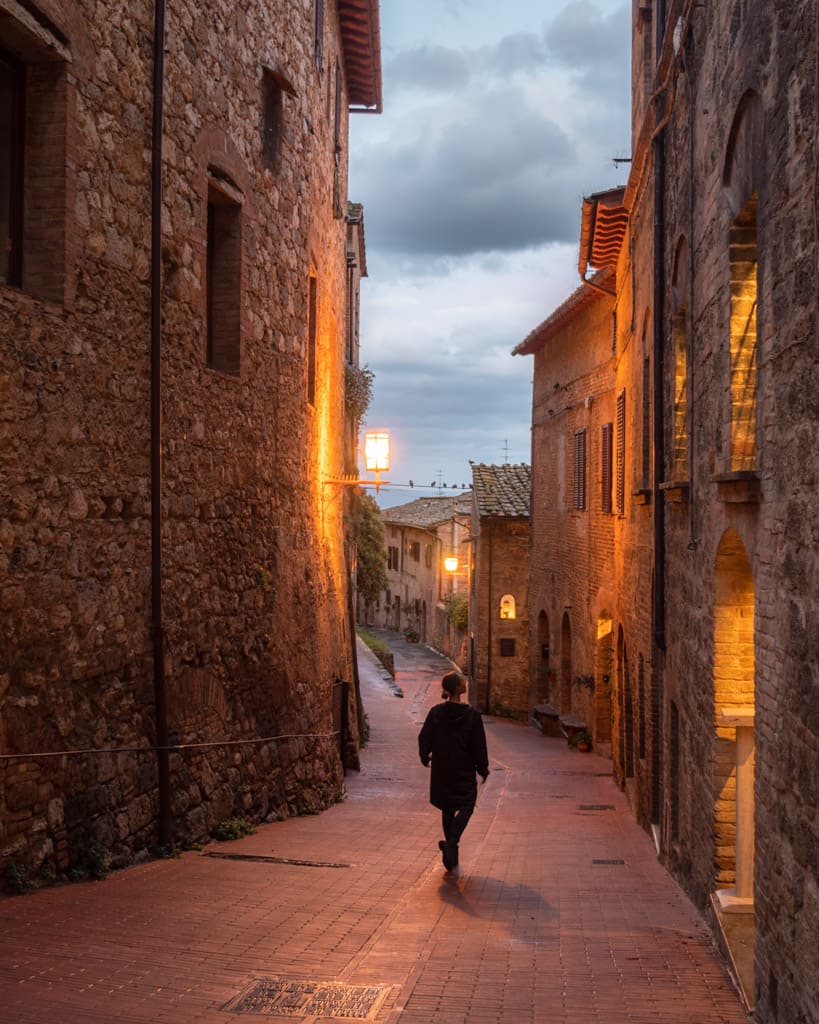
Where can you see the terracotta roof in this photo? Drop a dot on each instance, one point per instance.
(584, 296)
(502, 490)
(361, 42)
(428, 512)
(602, 229)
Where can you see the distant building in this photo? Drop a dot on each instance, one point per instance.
(499, 593)
(419, 535)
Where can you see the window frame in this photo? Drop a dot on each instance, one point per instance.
(16, 162)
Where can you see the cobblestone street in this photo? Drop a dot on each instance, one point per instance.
(560, 911)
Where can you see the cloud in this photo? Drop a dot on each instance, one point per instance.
(435, 68)
(470, 178)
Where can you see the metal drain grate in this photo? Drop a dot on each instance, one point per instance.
(282, 998)
(596, 807)
(275, 860)
(619, 862)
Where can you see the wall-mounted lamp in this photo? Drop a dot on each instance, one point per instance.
(451, 563)
(376, 459)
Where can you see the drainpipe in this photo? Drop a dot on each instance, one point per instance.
(157, 627)
(658, 146)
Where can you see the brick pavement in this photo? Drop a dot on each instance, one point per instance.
(535, 927)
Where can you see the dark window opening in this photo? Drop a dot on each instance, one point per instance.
(224, 276)
(507, 647)
(12, 107)
(646, 425)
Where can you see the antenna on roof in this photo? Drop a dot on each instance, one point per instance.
(505, 451)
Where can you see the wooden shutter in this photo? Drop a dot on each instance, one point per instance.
(606, 432)
(579, 496)
(620, 483)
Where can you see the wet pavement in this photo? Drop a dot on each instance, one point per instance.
(559, 912)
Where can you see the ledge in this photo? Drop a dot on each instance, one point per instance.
(676, 492)
(742, 486)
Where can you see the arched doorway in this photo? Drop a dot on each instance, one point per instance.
(565, 665)
(733, 763)
(626, 706)
(604, 658)
(543, 654)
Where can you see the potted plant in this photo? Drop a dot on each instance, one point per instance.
(411, 635)
(582, 740)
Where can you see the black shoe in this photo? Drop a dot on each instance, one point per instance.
(453, 855)
(444, 847)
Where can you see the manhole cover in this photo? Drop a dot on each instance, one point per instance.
(279, 997)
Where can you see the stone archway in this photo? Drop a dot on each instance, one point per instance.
(733, 760)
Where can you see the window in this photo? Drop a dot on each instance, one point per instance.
(507, 647)
(224, 274)
(415, 551)
(428, 556)
(12, 94)
(312, 330)
(606, 432)
(34, 170)
(392, 557)
(645, 462)
(620, 464)
(318, 50)
(579, 489)
(274, 86)
(744, 266)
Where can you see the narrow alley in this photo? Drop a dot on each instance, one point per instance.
(560, 910)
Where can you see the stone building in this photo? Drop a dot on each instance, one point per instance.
(499, 606)
(711, 247)
(173, 303)
(419, 535)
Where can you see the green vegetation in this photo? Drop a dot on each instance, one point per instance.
(233, 828)
(371, 554)
(371, 640)
(18, 878)
(358, 391)
(457, 611)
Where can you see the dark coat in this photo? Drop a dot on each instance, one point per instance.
(453, 738)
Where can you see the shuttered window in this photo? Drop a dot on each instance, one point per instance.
(579, 489)
(620, 468)
(606, 432)
(646, 412)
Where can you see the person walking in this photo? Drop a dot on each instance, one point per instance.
(453, 739)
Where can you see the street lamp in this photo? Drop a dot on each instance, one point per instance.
(451, 563)
(376, 459)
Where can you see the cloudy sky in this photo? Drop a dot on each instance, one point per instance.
(498, 119)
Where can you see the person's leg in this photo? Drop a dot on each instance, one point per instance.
(460, 819)
(447, 818)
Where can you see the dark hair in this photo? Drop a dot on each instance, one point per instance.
(451, 683)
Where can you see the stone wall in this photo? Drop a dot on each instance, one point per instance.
(742, 565)
(252, 540)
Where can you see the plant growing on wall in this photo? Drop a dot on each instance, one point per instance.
(358, 391)
(371, 558)
(457, 610)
